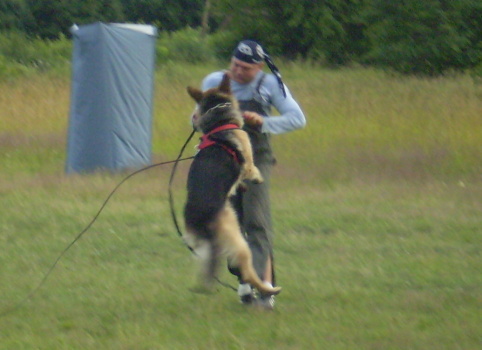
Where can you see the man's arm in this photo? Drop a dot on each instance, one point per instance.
(291, 116)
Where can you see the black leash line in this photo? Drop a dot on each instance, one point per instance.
(89, 225)
(47, 274)
(171, 180)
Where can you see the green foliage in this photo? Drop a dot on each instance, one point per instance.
(423, 37)
(13, 15)
(223, 43)
(48, 18)
(187, 45)
(414, 37)
(476, 71)
(467, 15)
(323, 30)
(426, 37)
(51, 19)
(144, 11)
(20, 54)
(38, 54)
(169, 15)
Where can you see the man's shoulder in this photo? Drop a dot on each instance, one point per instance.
(212, 80)
(270, 86)
(269, 80)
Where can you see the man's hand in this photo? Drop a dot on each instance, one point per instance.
(252, 118)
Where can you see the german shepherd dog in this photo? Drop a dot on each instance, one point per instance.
(212, 227)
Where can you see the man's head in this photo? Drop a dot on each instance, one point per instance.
(247, 60)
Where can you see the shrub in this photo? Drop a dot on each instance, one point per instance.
(40, 54)
(186, 45)
(423, 37)
(223, 44)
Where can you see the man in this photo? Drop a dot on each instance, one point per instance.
(257, 92)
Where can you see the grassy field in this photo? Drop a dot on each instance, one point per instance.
(377, 207)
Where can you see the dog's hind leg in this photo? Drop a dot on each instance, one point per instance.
(235, 247)
(206, 253)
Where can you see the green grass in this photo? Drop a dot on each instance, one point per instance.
(378, 232)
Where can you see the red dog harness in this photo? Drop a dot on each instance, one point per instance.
(206, 141)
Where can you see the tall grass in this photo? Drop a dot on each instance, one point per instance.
(376, 207)
(20, 56)
(361, 122)
(366, 122)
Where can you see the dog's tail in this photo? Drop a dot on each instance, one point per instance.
(235, 247)
(250, 276)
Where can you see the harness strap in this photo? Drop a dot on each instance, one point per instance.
(206, 141)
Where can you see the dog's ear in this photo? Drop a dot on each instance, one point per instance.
(196, 94)
(225, 85)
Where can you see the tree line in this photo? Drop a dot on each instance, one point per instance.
(410, 36)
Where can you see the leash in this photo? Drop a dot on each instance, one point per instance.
(171, 180)
(89, 225)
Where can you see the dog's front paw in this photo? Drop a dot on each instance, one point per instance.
(254, 175)
(257, 180)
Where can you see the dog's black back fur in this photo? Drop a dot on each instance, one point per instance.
(211, 176)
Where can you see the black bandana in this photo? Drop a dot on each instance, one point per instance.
(251, 52)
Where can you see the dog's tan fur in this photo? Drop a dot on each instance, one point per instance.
(228, 240)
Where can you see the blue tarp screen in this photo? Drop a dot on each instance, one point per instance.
(110, 123)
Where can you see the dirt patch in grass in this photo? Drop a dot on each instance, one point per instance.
(46, 140)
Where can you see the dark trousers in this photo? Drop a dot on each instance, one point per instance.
(254, 212)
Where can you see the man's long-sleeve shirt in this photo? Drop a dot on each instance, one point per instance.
(269, 95)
